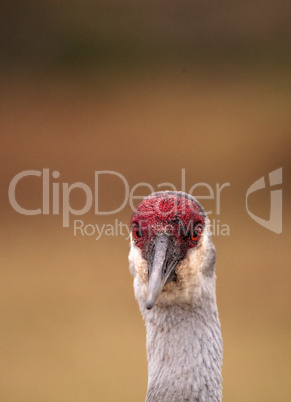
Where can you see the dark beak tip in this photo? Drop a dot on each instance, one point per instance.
(150, 304)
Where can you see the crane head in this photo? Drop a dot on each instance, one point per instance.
(167, 228)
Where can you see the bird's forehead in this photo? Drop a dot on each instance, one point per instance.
(170, 208)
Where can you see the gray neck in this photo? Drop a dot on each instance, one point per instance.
(184, 348)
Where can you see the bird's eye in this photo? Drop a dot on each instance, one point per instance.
(136, 233)
(196, 234)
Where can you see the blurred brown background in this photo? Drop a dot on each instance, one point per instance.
(144, 89)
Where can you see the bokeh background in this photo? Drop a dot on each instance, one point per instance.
(144, 89)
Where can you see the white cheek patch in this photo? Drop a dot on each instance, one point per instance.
(194, 261)
(137, 264)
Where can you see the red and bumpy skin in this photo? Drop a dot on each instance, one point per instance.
(176, 214)
(165, 226)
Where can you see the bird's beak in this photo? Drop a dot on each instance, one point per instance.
(161, 267)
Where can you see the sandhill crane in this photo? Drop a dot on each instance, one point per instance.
(172, 259)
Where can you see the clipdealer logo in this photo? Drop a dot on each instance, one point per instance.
(57, 199)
